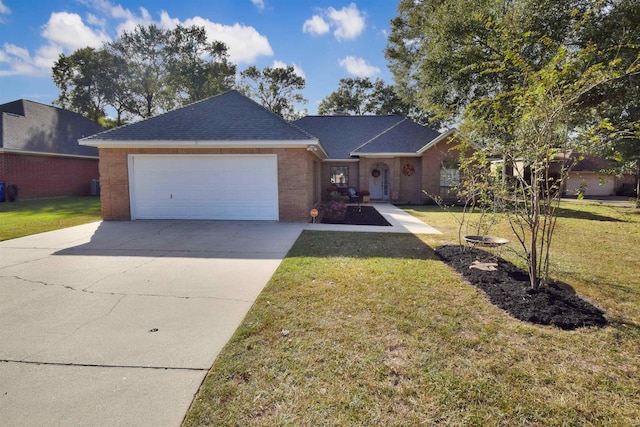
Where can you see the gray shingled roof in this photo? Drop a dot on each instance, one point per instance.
(31, 126)
(230, 116)
(340, 135)
(344, 137)
(406, 137)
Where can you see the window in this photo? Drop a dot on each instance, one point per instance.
(340, 176)
(449, 179)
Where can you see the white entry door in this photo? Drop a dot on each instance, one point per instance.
(227, 187)
(379, 183)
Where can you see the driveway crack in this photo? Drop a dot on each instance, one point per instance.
(122, 294)
(93, 365)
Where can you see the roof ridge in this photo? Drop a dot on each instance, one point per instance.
(161, 114)
(296, 127)
(379, 135)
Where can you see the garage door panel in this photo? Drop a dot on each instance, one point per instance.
(204, 187)
(590, 185)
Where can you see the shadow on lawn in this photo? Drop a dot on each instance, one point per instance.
(589, 216)
(506, 286)
(360, 245)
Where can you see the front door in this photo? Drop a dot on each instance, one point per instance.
(379, 182)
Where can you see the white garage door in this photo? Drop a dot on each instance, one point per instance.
(204, 187)
(590, 184)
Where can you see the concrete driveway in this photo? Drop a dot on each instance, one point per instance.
(117, 323)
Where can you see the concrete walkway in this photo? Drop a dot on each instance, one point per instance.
(401, 222)
(117, 323)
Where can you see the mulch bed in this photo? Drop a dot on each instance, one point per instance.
(360, 215)
(508, 288)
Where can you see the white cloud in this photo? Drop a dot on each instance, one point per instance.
(347, 23)
(259, 4)
(64, 33)
(315, 25)
(4, 10)
(19, 62)
(16, 51)
(96, 21)
(46, 56)
(358, 67)
(280, 64)
(244, 42)
(131, 20)
(68, 31)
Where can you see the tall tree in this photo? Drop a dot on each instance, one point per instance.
(352, 97)
(197, 69)
(145, 51)
(358, 96)
(84, 82)
(520, 77)
(276, 89)
(145, 71)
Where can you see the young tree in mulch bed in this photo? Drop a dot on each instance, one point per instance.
(509, 288)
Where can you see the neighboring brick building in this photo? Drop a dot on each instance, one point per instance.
(39, 150)
(227, 157)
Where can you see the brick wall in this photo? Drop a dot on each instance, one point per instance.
(296, 181)
(48, 176)
(411, 185)
(432, 162)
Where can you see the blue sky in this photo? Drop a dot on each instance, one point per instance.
(324, 40)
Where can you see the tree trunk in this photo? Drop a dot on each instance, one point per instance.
(535, 229)
(638, 186)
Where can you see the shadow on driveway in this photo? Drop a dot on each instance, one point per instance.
(192, 239)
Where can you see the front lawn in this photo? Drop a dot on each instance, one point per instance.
(372, 329)
(25, 217)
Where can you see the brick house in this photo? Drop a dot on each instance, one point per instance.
(227, 157)
(39, 150)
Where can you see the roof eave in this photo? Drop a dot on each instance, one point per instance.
(328, 159)
(386, 155)
(312, 145)
(46, 153)
(435, 141)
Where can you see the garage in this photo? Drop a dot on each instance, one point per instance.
(222, 158)
(590, 184)
(211, 187)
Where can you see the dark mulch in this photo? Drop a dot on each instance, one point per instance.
(508, 288)
(360, 215)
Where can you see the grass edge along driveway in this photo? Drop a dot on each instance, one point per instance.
(26, 217)
(371, 329)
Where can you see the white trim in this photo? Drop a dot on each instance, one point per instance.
(302, 143)
(131, 175)
(437, 140)
(340, 160)
(200, 143)
(388, 155)
(40, 153)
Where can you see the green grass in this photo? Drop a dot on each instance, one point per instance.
(371, 329)
(26, 217)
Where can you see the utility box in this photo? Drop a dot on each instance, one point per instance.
(1, 191)
(95, 187)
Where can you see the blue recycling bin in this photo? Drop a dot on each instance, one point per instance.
(1, 191)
